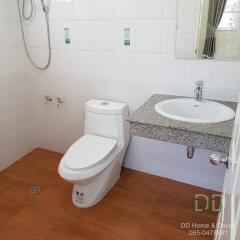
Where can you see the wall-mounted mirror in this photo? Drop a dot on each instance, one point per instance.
(208, 29)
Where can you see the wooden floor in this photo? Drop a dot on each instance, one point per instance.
(139, 207)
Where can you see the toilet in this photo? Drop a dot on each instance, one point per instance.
(93, 163)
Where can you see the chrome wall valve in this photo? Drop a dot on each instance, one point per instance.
(59, 101)
(48, 99)
(219, 158)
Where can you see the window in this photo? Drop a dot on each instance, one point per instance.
(231, 17)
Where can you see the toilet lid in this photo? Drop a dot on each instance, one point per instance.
(88, 151)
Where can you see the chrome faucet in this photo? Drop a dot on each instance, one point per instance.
(198, 90)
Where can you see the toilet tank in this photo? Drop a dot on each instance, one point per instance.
(107, 119)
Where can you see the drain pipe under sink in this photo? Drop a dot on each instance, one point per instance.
(190, 152)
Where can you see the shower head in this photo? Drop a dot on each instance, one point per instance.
(44, 6)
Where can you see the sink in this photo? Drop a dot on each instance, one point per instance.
(190, 110)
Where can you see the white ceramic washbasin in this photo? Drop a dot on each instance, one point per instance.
(190, 110)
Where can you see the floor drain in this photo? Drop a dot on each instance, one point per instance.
(35, 189)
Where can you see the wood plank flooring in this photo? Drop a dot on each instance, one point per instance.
(139, 207)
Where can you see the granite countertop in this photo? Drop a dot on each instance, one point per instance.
(163, 128)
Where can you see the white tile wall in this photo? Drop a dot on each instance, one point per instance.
(151, 36)
(150, 67)
(9, 36)
(104, 9)
(15, 91)
(86, 36)
(127, 9)
(106, 36)
(97, 30)
(127, 67)
(106, 65)
(8, 11)
(151, 9)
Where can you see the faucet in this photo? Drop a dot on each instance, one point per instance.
(198, 90)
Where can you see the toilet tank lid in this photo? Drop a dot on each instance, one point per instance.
(106, 107)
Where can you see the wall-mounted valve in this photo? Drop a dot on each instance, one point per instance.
(59, 101)
(48, 99)
(219, 158)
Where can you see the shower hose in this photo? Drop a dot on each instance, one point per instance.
(23, 16)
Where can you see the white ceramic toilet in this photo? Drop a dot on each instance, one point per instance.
(93, 163)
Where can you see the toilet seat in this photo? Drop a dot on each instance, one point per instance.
(88, 152)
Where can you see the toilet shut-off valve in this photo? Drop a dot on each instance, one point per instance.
(59, 101)
(219, 158)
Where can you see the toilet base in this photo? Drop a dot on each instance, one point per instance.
(88, 193)
(78, 200)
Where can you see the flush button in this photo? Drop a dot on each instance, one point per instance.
(104, 103)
